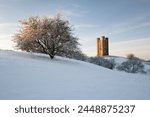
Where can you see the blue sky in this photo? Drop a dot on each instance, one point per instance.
(125, 22)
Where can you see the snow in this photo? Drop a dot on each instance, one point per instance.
(35, 76)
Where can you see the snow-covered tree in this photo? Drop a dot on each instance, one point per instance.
(132, 66)
(108, 63)
(148, 60)
(52, 36)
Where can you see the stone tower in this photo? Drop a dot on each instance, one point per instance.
(102, 46)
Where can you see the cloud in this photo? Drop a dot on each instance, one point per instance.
(7, 30)
(8, 24)
(143, 1)
(6, 44)
(72, 13)
(133, 23)
(139, 47)
(122, 29)
(69, 13)
(1, 18)
(134, 41)
(86, 26)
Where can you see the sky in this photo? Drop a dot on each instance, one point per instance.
(125, 22)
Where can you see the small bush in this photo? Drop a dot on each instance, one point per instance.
(133, 57)
(132, 66)
(108, 63)
(76, 55)
(130, 56)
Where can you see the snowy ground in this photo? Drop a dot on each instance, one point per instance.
(35, 76)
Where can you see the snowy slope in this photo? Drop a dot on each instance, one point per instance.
(34, 76)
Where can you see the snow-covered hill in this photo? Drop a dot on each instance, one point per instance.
(35, 76)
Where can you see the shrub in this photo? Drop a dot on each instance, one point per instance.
(130, 56)
(108, 63)
(132, 66)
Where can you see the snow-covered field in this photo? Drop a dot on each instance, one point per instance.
(35, 76)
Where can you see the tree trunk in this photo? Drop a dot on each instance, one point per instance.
(51, 56)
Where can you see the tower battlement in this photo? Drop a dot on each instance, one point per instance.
(102, 46)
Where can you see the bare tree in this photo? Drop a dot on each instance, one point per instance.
(52, 36)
